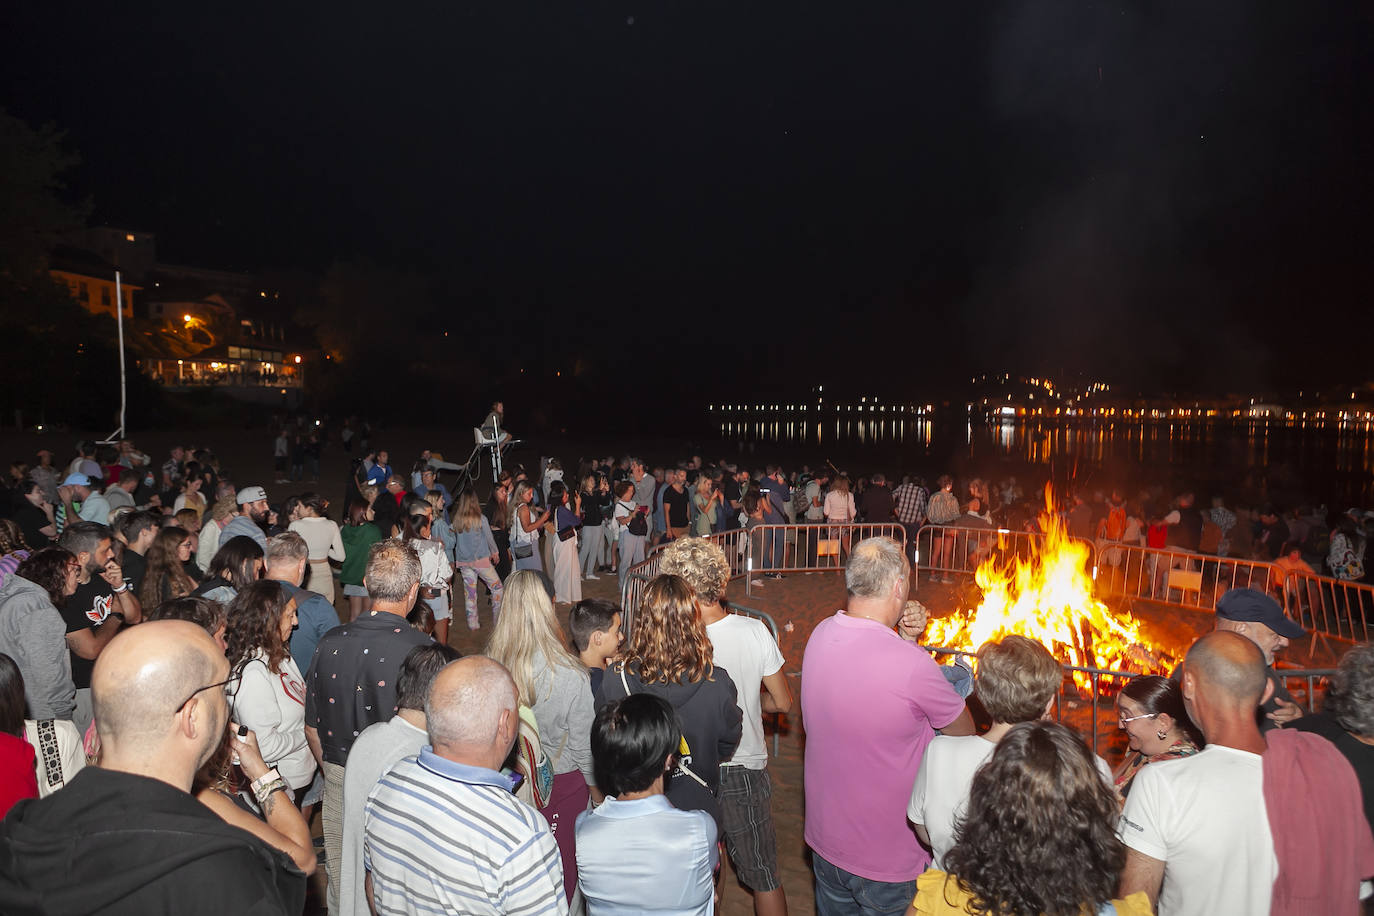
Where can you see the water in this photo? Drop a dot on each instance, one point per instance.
(1250, 461)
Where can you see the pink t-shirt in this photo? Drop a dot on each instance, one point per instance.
(871, 702)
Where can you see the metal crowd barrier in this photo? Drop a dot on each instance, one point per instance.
(945, 550)
(807, 548)
(1173, 576)
(1311, 679)
(1335, 607)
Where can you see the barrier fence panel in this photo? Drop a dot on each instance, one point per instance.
(776, 549)
(1174, 576)
(947, 550)
(1335, 607)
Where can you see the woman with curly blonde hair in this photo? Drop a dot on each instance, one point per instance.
(555, 684)
(669, 655)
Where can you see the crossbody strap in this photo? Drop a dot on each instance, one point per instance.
(52, 754)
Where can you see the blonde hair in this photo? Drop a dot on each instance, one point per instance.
(467, 513)
(840, 484)
(526, 629)
(436, 501)
(700, 563)
(668, 643)
(517, 499)
(704, 484)
(225, 507)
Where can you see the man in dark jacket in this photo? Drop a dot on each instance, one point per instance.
(127, 837)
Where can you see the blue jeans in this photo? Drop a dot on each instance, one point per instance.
(841, 893)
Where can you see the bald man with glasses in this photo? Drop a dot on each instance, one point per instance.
(127, 836)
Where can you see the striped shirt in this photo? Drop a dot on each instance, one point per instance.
(443, 837)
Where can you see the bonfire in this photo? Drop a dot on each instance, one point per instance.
(1049, 597)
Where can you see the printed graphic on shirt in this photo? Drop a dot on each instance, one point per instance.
(99, 609)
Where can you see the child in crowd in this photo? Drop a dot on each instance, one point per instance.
(595, 627)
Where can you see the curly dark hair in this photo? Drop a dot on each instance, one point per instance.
(255, 623)
(1038, 835)
(47, 569)
(11, 537)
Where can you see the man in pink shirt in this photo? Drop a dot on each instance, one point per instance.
(871, 701)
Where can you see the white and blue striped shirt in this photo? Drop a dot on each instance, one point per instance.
(443, 837)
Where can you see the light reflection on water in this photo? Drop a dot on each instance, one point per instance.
(1333, 458)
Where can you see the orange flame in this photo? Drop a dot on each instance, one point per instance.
(1049, 597)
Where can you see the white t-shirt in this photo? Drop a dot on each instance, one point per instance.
(814, 512)
(939, 796)
(1204, 817)
(746, 650)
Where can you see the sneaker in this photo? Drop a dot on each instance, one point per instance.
(757, 583)
(774, 575)
(592, 576)
(948, 580)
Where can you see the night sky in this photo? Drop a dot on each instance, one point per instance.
(886, 194)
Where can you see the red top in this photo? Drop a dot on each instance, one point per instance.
(18, 779)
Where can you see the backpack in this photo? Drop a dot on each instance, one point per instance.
(532, 763)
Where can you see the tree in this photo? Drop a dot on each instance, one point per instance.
(33, 217)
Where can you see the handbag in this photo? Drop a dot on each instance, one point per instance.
(522, 551)
(568, 533)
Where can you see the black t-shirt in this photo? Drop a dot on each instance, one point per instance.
(87, 608)
(30, 519)
(675, 507)
(135, 567)
(591, 509)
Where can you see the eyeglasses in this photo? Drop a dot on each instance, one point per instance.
(231, 685)
(1144, 715)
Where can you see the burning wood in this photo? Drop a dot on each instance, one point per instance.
(1049, 597)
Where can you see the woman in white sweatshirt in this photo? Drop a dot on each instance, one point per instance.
(269, 693)
(322, 536)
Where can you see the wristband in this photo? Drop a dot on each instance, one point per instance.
(122, 589)
(264, 792)
(264, 779)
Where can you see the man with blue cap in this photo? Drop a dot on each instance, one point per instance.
(76, 489)
(1258, 617)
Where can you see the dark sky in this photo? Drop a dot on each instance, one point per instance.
(1172, 194)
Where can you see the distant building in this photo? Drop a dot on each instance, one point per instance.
(91, 280)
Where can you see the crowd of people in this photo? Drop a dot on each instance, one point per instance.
(183, 640)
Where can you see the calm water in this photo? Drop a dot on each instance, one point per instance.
(1251, 461)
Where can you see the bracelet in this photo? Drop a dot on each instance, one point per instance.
(122, 589)
(264, 779)
(263, 792)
